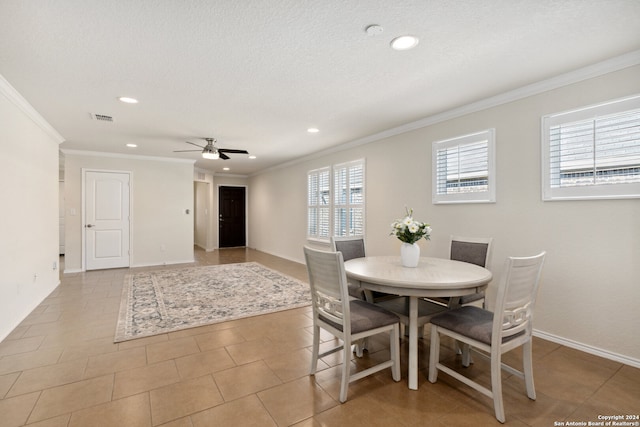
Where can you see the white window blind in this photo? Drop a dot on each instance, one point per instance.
(335, 203)
(463, 169)
(348, 190)
(593, 152)
(318, 196)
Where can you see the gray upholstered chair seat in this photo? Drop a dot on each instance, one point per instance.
(470, 321)
(366, 316)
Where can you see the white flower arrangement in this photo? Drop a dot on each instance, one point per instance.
(409, 230)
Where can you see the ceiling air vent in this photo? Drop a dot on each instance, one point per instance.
(101, 117)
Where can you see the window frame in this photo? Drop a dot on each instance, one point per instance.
(332, 205)
(588, 191)
(488, 196)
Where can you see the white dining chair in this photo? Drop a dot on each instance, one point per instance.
(492, 334)
(354, 247)
(346, 318)
(474, 250)
(351, 247)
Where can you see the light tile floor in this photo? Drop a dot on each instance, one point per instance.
(60, 367)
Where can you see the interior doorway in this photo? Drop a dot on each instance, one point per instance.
(232, 217)
(201, 214)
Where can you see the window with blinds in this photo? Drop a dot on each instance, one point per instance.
(318, 203)
(463, 169)
(593, 152)
(348, 205)
(335, 201)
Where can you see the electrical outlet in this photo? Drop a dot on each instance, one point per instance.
(55, 265)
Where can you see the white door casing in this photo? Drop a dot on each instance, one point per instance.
(61, 210)
(106, 219)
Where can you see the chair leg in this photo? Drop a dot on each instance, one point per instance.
(496, 384)
(527, 362)
(395, 352)
(434, 354)
(315, 349)
(346, 360)
(360, 346)
(466, 354)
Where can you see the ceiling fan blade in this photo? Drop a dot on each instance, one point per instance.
(230, 150)
(194, 144)
(185, 151)
(223, 156)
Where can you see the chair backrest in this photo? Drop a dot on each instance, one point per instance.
(351, 247)
(517, 296)
(474, 250)
(328, 282)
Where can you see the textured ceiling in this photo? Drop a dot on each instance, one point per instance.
(256, 74)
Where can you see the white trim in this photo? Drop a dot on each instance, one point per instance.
(228, 175)
(601, 68)
(488, 196)
(581, 114)
(125, 156)
(587, 348)
(154, 264)
(19, 101)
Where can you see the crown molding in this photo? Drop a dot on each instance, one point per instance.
(229, 175)
(591, 71)
(124, 156)
(19, 101)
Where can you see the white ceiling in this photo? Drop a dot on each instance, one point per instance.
(256, 74)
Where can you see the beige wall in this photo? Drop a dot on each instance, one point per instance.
(161, 192)
(590, 290)
(29, 217)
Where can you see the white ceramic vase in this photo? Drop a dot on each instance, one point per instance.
(410, 254)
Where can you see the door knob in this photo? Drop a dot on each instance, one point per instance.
(89, 225)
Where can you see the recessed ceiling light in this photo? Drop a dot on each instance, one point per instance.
(128, 100)
(225, 169)
(313, 130)
(404, 42)
(132, 145)
(252, 157)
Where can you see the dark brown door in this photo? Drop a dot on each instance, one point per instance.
(231, 220)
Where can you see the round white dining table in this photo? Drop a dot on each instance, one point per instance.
(433, 277)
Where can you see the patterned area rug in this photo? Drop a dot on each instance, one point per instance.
(157, 302)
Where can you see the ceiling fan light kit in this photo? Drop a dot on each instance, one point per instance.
(210, 151)
(210, 155)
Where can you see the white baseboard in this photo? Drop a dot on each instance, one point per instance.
(156, 264)
(151, 264)
(587, 348)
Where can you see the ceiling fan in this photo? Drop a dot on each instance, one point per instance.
(210, 151)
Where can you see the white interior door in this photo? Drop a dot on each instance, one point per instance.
(106, 220)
